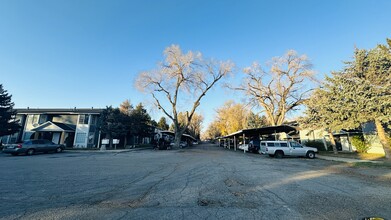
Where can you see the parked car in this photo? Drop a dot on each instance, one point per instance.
(182, 144)
(33, 146)
(288, 148)
(244, 146)
(254, 145)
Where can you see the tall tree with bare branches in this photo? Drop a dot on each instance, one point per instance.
(181, 80)
(280, 89)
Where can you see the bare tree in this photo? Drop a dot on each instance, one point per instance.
(182, 79)
(281, 89)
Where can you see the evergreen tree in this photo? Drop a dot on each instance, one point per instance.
(360, 93)
(141, 122)
(162, 124)
(8, 124)
(322, 113)
(112, 123)
(256, 121)
(125, 107)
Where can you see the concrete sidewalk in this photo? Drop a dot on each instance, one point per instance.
(346, 160)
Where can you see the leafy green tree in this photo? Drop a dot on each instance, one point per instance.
(162, 124)
(322, 112)
(358, 94)
(8, 124)
(367, 81)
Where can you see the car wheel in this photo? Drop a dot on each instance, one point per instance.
(279, 154)
(30, 152)
(58, 150)
(311, 154)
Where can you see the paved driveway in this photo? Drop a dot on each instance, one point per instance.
(203, 182)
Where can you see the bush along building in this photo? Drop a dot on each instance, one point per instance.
(71, 127)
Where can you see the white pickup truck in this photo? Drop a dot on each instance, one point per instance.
(287, 148)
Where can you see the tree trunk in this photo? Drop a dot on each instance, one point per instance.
(332, 140)
(110, 141)
(177, 140)
(383, 139)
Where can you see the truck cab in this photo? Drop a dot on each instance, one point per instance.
(287, 148)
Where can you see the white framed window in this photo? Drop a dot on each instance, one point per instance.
(81, 138)
(83, 119)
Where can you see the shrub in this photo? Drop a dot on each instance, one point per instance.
(361, 145)
(318, 144)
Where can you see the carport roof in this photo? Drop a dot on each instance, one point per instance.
(184, 135)
(264, 130)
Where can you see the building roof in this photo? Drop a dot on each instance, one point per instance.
(59, 110)
(55, 126)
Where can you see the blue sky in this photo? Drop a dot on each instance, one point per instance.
(78, 53)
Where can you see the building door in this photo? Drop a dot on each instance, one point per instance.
(56, 138)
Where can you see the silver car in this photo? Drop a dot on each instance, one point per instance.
(33, 146)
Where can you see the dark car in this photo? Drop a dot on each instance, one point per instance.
(254, 145)
(33, 146)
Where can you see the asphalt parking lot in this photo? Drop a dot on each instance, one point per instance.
(201, 182)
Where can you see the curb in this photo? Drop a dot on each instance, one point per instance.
(108, 151)
(346, 160)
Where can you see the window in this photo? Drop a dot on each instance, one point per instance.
(295, 144)
(33, 119)
(93, 119)
(43, 119)
(83, 119)
(270, 144)
(28, 135)
(47, 142)
(91, 138)
(283, 144)
(81, 138)
(37, 142)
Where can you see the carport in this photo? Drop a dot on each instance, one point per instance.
(257, 132)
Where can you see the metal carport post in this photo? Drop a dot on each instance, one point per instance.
(234, 142)
(244, 142)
